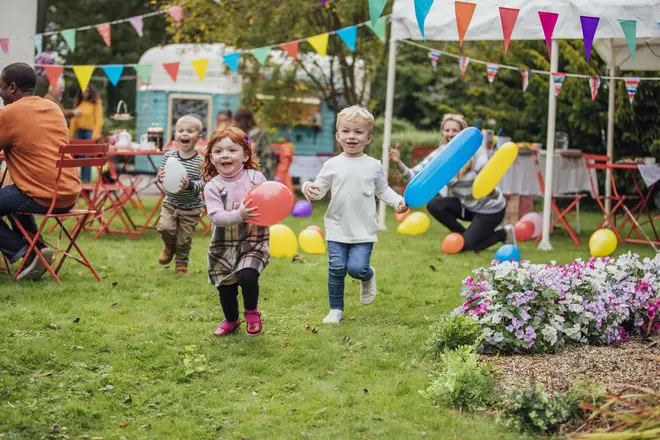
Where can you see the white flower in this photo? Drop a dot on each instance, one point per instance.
(549, 334)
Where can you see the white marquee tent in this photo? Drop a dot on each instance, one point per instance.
(440, 25)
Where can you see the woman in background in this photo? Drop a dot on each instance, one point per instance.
(261, 145)
(223, 120)
(88, 120)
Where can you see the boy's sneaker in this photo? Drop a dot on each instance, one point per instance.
(166, 256)
(182, 268)
(368, 289)
(334, 317)
(34, 268)
(510, 235)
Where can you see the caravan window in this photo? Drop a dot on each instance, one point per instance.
(198, 105)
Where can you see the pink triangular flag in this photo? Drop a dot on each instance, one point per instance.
(138, 24)
(4, 44)
(176, 12)
(594, 85)
(632, 82)
(558, 81)
(525, 79)
(508, 17)
(548, 22)
(104, 30)
(463, 62)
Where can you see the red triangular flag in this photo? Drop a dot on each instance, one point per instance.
(291, 48)
(104, 30)
(4, 44)
(53, 73)
(172, 69)
(508, 16)
(176, 12)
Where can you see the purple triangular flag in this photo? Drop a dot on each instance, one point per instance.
(138, 24)
(589, 25)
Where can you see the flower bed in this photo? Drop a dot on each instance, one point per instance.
(525, 307)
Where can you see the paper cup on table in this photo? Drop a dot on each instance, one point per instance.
(174, 172)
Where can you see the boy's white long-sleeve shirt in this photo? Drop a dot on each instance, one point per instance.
(353, 182)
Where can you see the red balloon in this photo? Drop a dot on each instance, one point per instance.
(453, 243)
(524, 230)
(316, 228)
(273, 201)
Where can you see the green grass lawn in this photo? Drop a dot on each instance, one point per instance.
(110, 359)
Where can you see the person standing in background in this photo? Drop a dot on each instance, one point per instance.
(223, 120)
(88, 122)
(56, 94)
(261, 145)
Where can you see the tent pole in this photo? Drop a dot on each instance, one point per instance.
(389, 109)
(550, 150)
(610, 126)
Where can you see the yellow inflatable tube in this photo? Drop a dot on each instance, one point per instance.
(494, 170)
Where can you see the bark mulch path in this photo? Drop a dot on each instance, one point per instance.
(630, 362)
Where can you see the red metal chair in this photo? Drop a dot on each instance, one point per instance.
(95, 156)
(4, 263)
(560, 215)
(600, 162)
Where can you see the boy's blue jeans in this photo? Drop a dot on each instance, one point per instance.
(343, 258)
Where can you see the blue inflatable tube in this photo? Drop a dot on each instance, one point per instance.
(443, 167)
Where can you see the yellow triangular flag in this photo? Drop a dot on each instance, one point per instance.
(200, 67)
(84, 74)
(319, 43)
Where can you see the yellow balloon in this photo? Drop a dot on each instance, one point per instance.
(415, 224)
(311, 242)
(602, 243)
(494, 170)
(283, 243)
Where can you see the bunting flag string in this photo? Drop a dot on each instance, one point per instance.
(632, 82)
(491, 71)
(594, 85)
(558, 81)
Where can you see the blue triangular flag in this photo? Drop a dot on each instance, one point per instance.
(422, 8)
(38, 43)
(113, 72)
(349, 36)
(232, 60)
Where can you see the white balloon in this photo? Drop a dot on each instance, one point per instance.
(174, 172)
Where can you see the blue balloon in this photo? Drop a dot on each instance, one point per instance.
(508, 252)
(442, 168)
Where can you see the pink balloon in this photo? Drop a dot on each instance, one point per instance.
(273, 202)
(537, 220)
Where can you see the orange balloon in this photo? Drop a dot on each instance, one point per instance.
(273, 201)
(401, 217)
(453, 243)
(316, 228)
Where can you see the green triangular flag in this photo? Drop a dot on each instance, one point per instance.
(376, 10)
(69, 36)
(261, 54)
(630, 31)
(144, 70)
(379, 29)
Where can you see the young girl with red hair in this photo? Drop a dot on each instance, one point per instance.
(239, 250)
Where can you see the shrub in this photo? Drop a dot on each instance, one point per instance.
(453, 331)
(532, 410)
(535, 307)
(462, 382)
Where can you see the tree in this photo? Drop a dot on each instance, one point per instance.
(249, 24)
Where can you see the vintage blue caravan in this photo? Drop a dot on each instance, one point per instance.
(162, 101)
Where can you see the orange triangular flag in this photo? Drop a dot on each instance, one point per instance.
(104, 31)
(464, 13)
(53, 73)
(508, 17)
(291, 48)
(172, 69)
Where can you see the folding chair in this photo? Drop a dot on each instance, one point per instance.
(96, 156)
(4, 263)
(602, 162)
(419, 152)
(560, 215)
